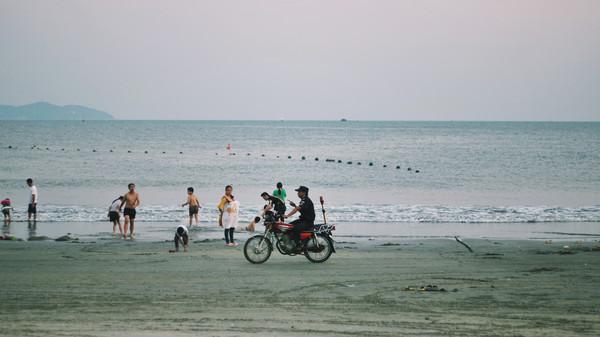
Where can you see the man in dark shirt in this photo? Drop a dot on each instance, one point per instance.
(274, 204)
(306, 220)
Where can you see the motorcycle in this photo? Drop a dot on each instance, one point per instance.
(316, 244)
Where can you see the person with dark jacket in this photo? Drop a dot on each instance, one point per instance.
(306, 208)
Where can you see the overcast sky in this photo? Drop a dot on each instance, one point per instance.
(405, 60)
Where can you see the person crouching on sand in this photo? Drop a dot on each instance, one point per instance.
(6, 211)
(194, 205)
(131, 200)
(181, 237)
(114, 215)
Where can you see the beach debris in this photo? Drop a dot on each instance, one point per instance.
(38, 238)
(543, 269)
(458, 239)
(66, 238)
(428, 288)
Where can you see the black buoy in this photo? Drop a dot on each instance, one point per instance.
(417, 171)
(78, 150)
(316, 158)
(277, 156)
(303, 158)
(233, 154)
(370, 164)
(163, 152)
(408, 169)
(384, 165)
(110, 151)
(397, 167)
(358, 163)
(262, 155)
(47, 149)
(94, 150)
(216, 153)
(330, 160)
(247, 154)
(339, 161)
(289, 157)
(349, 163)
(10, 146)
(146, 152)
(180, 152)
(128, 151)
(64, 149)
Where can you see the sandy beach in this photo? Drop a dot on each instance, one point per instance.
(113, 288)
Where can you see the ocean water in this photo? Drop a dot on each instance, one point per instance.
(487, 176)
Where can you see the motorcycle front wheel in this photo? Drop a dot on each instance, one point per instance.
(258, 249)
(318, 248)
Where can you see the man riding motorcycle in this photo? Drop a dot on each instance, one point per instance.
(306, 220)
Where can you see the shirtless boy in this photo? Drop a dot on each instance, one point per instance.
(194, 205)
(131, 200)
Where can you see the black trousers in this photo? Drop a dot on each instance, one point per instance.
(299, 226)
(185, 239)
(229, 235)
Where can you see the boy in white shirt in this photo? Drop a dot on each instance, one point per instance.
(114, 215)
(181, 236)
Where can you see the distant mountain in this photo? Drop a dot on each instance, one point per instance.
(46, 111)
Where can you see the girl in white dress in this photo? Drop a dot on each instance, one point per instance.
(230, 220)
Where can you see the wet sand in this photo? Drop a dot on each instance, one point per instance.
(116, 288)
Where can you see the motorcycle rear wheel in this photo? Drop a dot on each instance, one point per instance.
(258, 249)
(322, 253)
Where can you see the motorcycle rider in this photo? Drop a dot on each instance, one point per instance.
(306, 220)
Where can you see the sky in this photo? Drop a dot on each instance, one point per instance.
(360, 60)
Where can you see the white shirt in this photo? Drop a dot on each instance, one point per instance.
(114, 207)
(34, 194)
(230, 214)
(184, 228)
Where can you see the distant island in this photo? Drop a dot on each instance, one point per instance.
(46, 111)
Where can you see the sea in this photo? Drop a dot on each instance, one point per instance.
(379, 179)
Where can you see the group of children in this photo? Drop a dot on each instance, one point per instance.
(228, 215)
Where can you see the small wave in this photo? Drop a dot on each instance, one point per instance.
(357, 213)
